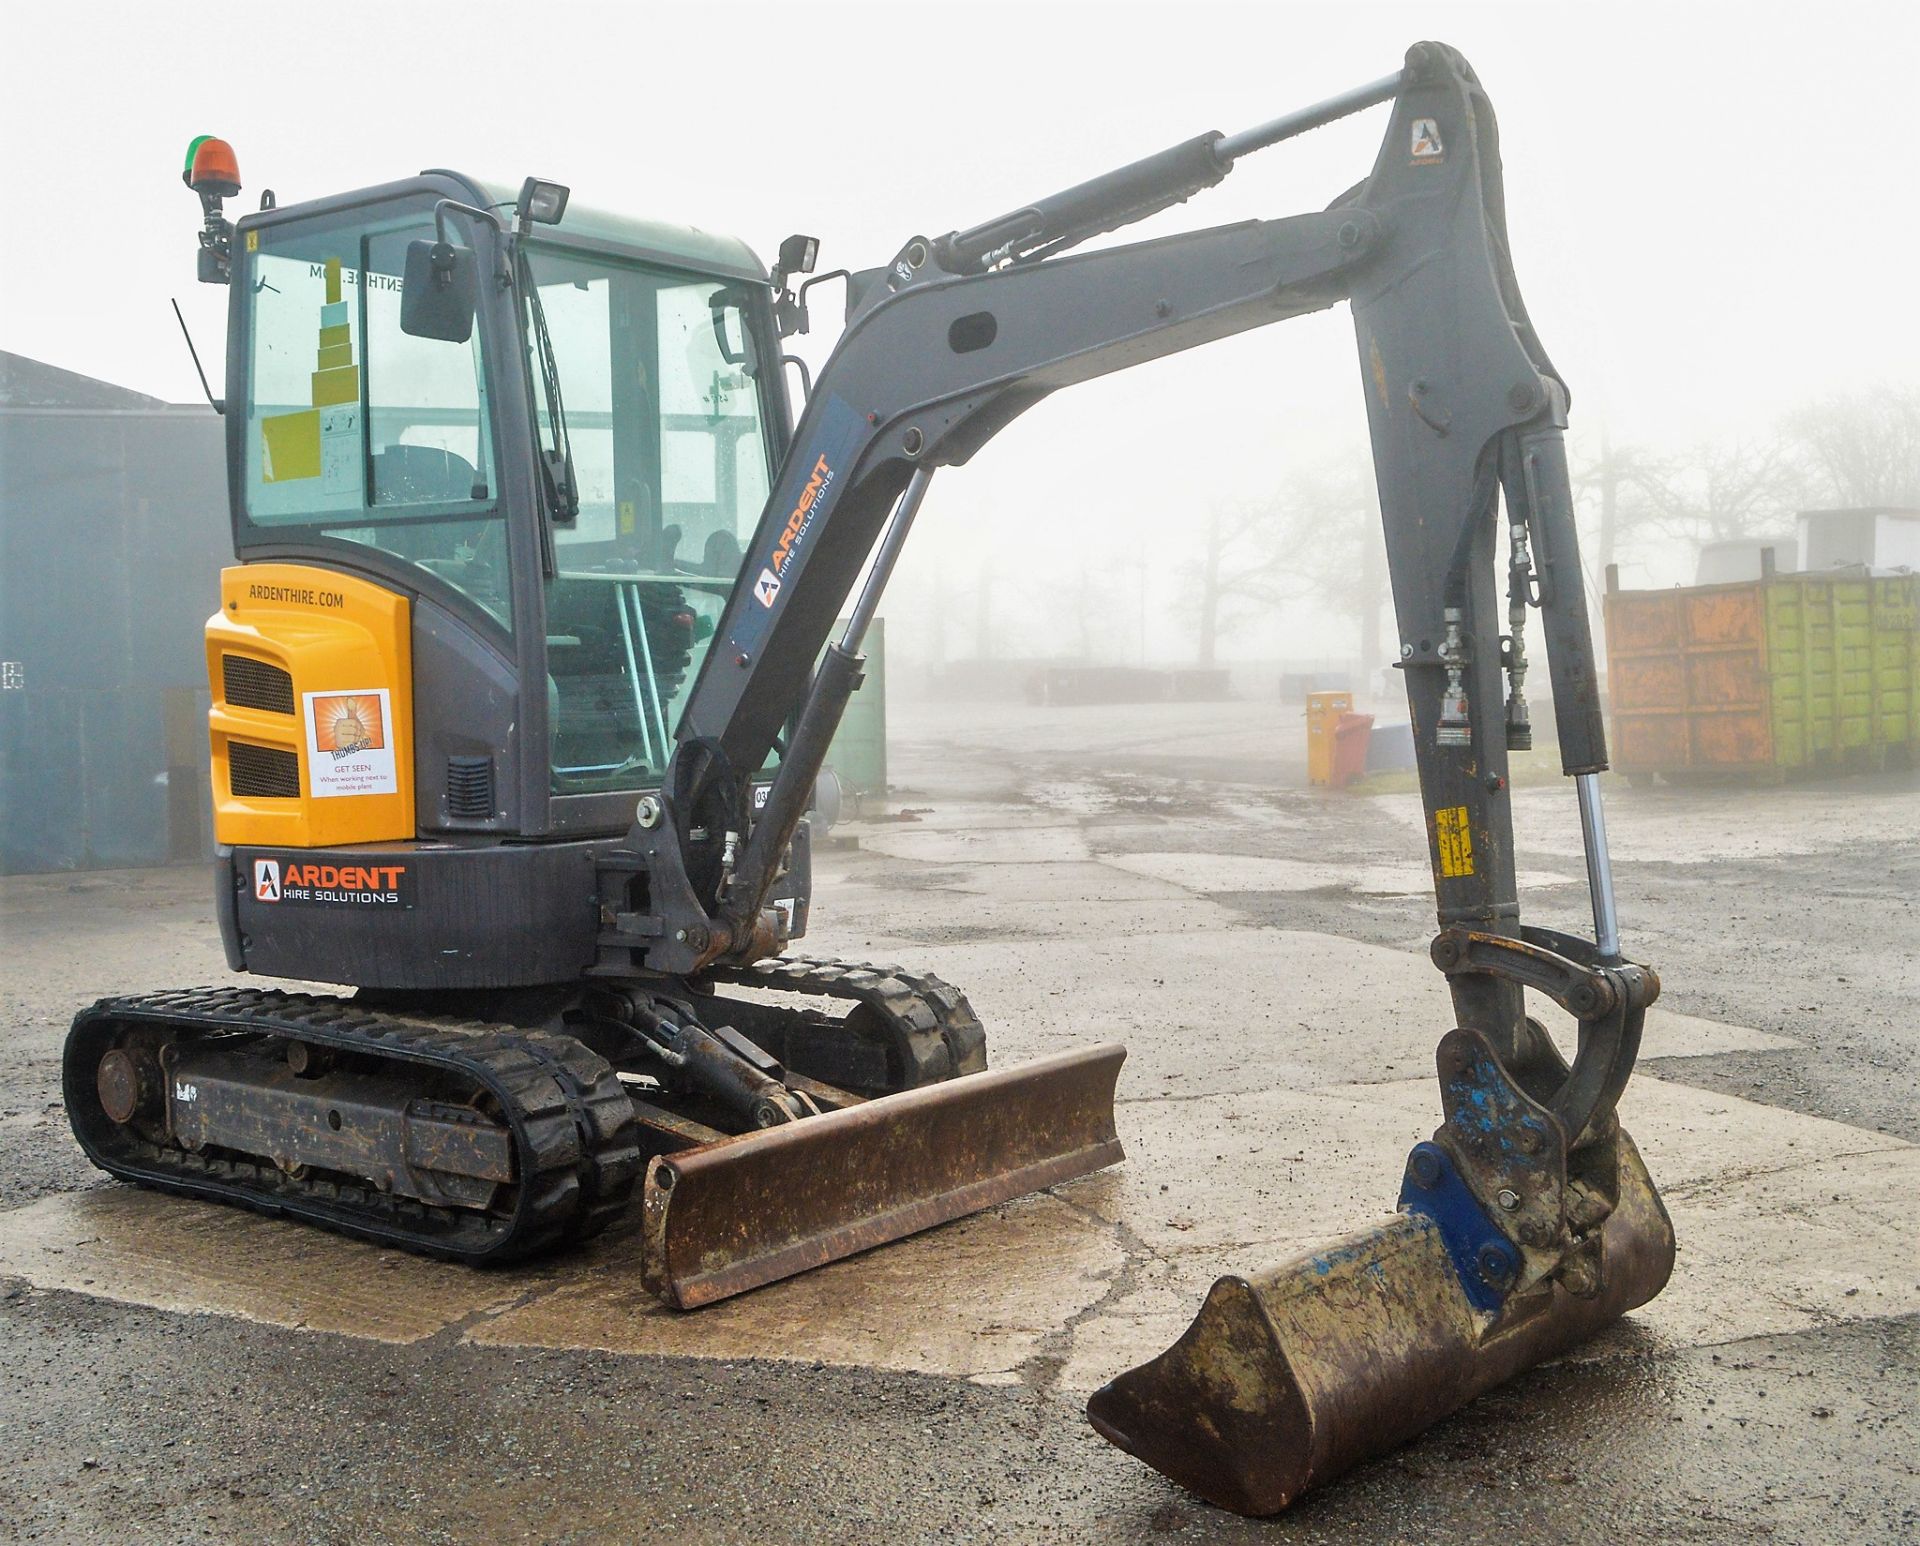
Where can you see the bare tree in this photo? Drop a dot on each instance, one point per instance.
(1240, 566)
(1863, 447)
(1345, 559)
(1318, 536)
(1092, 611)
(1719, 490)
(1616, 492)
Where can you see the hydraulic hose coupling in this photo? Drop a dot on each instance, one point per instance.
(1519, 587)
(1456, 723)
(1519, 725)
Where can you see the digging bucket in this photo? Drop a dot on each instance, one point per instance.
(1289, 1378)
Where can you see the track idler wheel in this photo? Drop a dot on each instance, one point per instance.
(128, 1082)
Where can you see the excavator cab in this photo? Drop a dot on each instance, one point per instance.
(494, 465)
(525, 453)
(620, 364)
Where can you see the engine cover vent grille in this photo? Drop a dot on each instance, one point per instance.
(247, 683)
(470, 787)
(262, 772)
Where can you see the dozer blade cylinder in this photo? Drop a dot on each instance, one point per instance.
(730, 1216)
(1288, 1379)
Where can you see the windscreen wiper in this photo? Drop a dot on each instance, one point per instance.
(555, 461)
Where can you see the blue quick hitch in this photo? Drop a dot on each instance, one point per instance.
(1485, 1259)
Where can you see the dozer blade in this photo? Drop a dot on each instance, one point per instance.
(729, 1216)
(1285, 1380)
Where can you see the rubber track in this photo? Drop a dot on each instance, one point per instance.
(932, 1017)
(577, 1157)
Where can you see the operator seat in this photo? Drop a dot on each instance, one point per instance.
(721, 556)
(422, 475)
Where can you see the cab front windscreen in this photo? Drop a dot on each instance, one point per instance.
(354, 429)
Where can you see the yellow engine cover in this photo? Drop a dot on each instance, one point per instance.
(312, 722)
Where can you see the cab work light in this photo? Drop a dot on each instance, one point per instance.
(540, 202)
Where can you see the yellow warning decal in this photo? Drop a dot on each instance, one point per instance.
(253, 241)
(290, 446)
(1455, 841)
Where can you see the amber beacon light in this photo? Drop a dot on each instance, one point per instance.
(212, 167)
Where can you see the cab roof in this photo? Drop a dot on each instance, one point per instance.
(676, 246)
(680, 245)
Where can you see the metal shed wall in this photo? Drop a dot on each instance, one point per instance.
(113, 529)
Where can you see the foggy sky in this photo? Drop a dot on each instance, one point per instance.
(1711, 207)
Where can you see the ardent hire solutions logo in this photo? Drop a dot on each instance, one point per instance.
(794, 533)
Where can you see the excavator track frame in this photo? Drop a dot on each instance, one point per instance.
(941, 1136)
(933, 1031)
(576, 1155)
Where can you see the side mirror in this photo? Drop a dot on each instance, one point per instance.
(439, 291)
(729, 317)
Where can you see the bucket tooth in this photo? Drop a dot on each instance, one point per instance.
(1287, 1379)
(726, 1217)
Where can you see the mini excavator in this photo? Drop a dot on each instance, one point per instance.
(526, 676)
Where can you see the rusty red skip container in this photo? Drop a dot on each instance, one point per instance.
(1352, 736)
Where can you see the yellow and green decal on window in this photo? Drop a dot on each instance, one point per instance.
(310, 442)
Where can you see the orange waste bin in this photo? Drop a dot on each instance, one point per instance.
(1323, 713)
(1352, 734)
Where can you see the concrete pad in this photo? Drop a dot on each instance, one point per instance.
(977, 1297)
(1790, 1249)
(879, 883)
(878, 909)
(1048, 880)
(914, 924)
(1814, 818)
(1024, 844)
(1211, 1010)
(949, 812)
(1690, 1138)
(1305, 1166)
(1215, 872)
(1649, 828)
(1076, 797)
(139, 1247)
(1785, 1221)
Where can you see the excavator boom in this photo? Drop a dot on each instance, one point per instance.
(1528, 1220)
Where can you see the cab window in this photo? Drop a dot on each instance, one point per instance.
(665, 415)
(354, 429)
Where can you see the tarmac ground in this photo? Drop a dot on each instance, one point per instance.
(1156, 874)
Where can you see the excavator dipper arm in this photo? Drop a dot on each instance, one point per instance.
(1528, 1220)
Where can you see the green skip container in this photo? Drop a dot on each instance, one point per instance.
(1790, 674)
